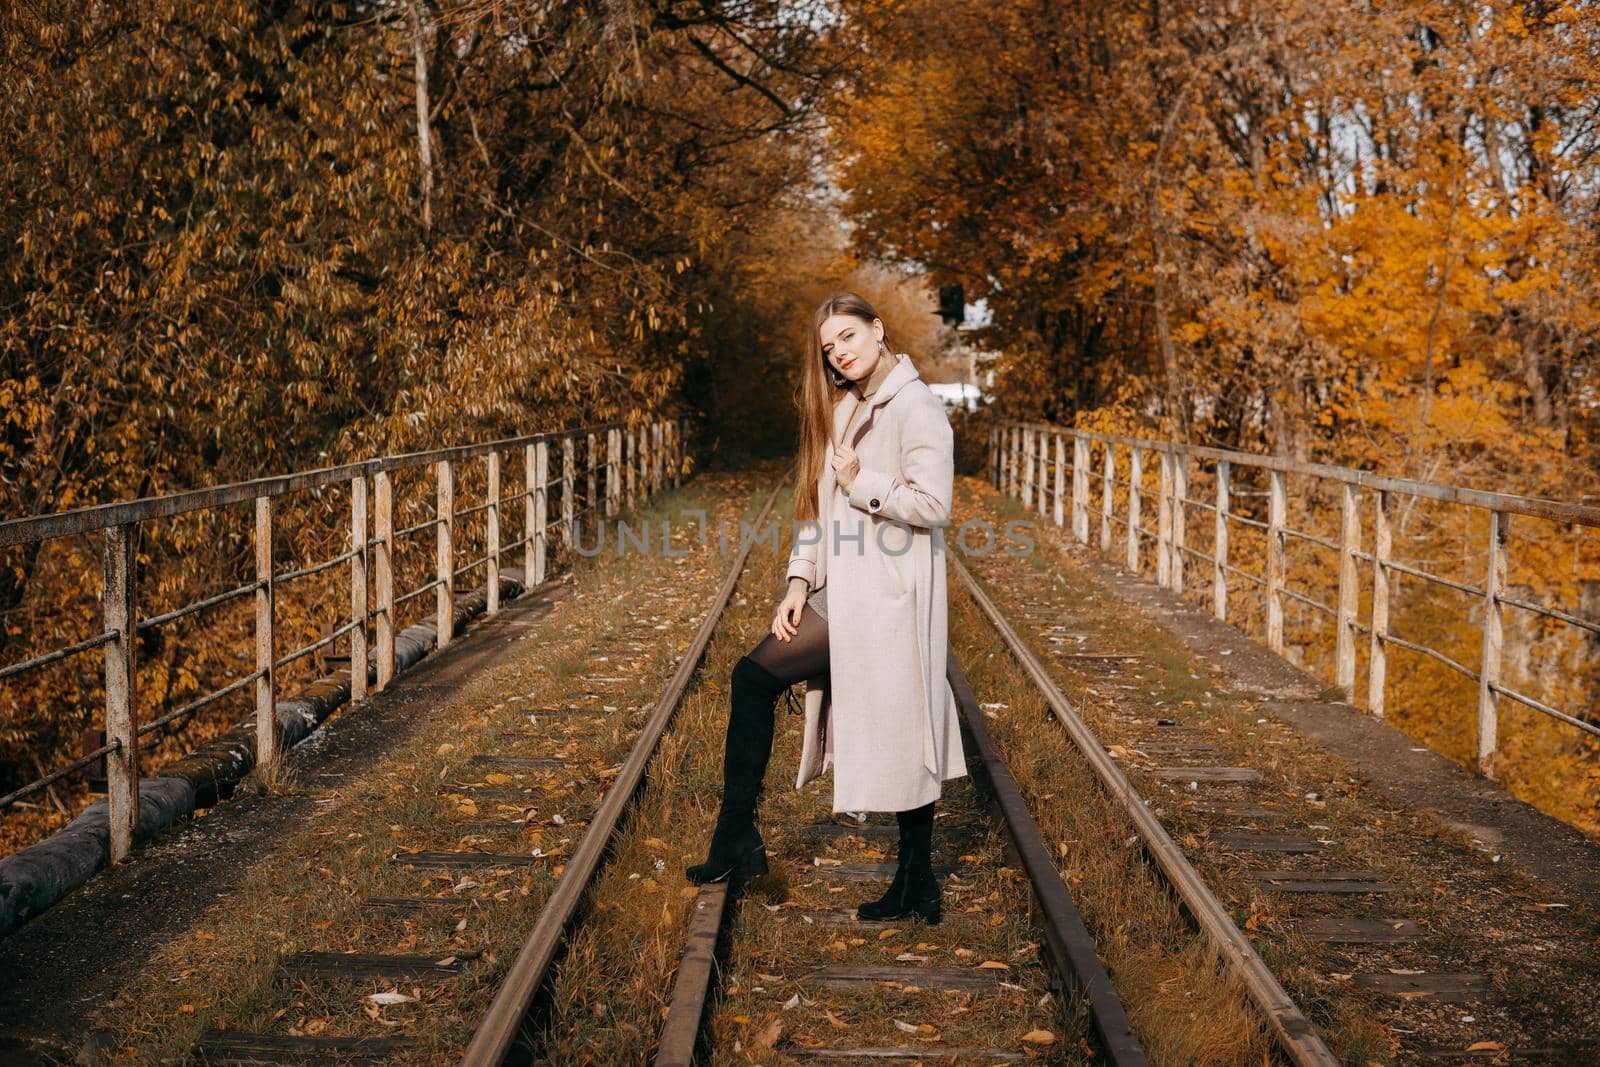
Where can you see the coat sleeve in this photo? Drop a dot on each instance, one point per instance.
(803, 557)
(920, 494)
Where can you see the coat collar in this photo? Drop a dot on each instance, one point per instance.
(904, 372)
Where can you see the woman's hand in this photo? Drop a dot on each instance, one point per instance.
(785, 624)
(846, 465)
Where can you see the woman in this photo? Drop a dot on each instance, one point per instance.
(876, 471)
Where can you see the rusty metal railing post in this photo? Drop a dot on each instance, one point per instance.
(444, 559)
(1080, 489)
(1107, 497)
(1180, 528)
(1060, 479)
(491, 533)
(1013, 469)
(1045, 437)
(1164, 520)
(540, 516)
(680, 440)
(613, 448)
(1019, 465)
(1219, 546)
(122, 728)
(1005, 459)
(383, 501)
(1344, 672)
(1378, 652)
(568, 530)
(1277, 509)
(358, 587)
(267, 680)
(1494, 583)
(647, 460)
(1017, 472)
(651, 439)
(658, 438)
(530, 514)
(1028, 434)
(593, 463)
(630, 464)
(1135, 492)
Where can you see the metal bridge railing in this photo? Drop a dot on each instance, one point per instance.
(1022, 465)
(636, 460)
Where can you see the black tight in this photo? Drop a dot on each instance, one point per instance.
(805, 655)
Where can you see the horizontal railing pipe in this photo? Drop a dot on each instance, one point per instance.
(1015, 445)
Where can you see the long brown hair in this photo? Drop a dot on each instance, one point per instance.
(820, 388)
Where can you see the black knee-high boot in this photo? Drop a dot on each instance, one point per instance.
(914, 890)
(737, 851)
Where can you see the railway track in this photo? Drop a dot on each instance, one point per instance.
(1066, 964)
(1069, 958)
(1060, 997)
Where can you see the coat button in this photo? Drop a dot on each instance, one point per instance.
(874, 501)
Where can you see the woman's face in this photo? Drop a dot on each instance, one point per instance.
(851, 345)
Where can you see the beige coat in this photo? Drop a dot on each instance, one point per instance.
(884, 717)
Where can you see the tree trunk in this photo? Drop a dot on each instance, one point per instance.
(419, 53)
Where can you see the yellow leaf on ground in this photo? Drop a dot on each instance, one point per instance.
(993, 965)
(1039, 1037)
(498, 779)
(834, 1021)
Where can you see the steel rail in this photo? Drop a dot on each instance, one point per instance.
(1073, 954)
(691, 990)
(1294, 1032)
(498, 1028)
